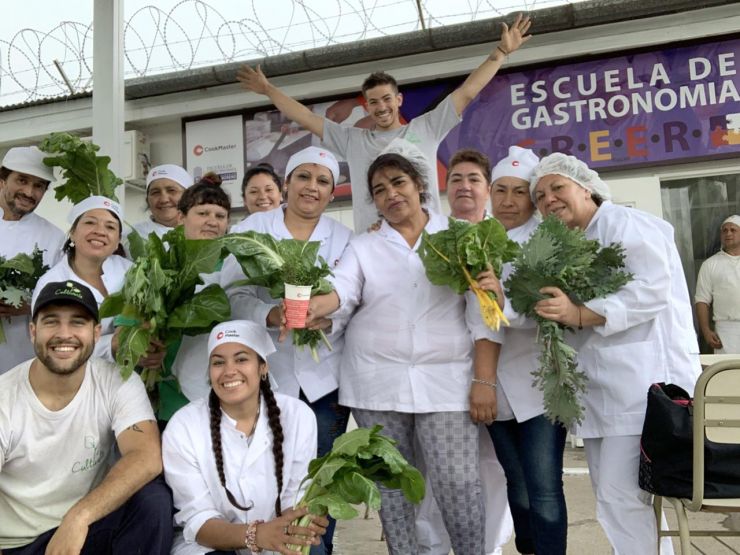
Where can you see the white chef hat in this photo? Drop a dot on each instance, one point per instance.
(93, 202)
(314, 155)
(734, 219)
(170, 171)
(412, 153)
(245, 332)
(29, 160)
(519, 163)
(572, 168)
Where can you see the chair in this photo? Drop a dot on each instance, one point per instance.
(716, 417)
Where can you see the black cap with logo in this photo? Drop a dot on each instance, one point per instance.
(67, 292)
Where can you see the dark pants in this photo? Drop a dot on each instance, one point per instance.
(531, 454)
(142, 526)
(331, 421)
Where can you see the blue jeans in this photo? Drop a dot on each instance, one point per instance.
(142, 526)
(531, 454)
(331, 422)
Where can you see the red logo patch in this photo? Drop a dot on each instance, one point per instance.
(220, 335)
(198, 150)
(515, 163)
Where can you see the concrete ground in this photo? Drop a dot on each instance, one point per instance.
(362, 536)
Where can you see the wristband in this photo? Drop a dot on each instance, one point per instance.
(484, 382)
(250, 537)
(504, 52)
(580, 318)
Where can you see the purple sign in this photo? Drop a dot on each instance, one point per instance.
(645, 108)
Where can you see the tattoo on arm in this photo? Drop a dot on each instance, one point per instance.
(136, 428)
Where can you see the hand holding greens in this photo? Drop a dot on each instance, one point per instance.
(347, 476)
(561, 257)
(272, 263)
(453, 256)
(18, 277)
(158, 299)
(85, 173)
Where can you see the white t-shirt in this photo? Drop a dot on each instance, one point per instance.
(22, 236)
(718, 285)
(49, 460)
(361, 146)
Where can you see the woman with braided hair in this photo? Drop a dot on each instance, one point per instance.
(235, 459)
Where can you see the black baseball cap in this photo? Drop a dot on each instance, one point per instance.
(67, 292)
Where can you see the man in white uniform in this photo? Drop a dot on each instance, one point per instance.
(361, 146)
(61, 416)
(718, 286)
(24, 179)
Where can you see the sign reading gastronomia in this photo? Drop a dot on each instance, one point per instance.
(644, 108)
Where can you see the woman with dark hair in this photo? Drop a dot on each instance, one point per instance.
(203, 214)
(235, 460)
(408, 357)
(94, 257)
(311, 175)
(261, 189)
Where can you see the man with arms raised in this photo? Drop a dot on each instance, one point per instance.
(24, 178)
(61, 415)
(361, 146)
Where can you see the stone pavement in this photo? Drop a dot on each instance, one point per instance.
(585, 537)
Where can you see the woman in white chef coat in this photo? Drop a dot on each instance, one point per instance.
(261, 189)
(165, 185)
(311, 175)
(235, 459)
(94, 257)
(640, 335)
(528, 445)
(408, 360)
(204, 212)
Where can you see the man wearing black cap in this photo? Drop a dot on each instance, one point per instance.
(24, 179)
(61, 415)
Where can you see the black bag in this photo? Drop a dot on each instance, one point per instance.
(666, 456)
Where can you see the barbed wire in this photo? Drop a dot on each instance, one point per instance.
(195, 33)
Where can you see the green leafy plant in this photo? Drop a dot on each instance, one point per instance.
(271, 263)
(348, 475)
(454, 256)
(85, 173)
(18, 278)
(158, 298)
(556, 256)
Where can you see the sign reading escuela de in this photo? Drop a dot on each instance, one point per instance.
(669, 104)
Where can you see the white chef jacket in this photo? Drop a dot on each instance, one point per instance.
(718, 285)
(649, 334)
(147, 226)
(190, 467)
(114, 272)
(191, 362)
(293, 368)
(515, 396)
(22, 236)
(408, 345)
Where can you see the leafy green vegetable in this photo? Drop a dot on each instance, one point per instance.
(18, 277)
(272, 263)
(85, 173)
(347, 475)
(556, 256)
(158, 298)
(453, 256)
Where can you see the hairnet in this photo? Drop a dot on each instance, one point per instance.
(571, 167)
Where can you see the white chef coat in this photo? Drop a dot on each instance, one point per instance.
(191, 362)
(114, 272)
(515, 396)
(649, 334)
(408, 345)
(190, 467)
(22, 236)
(293, 368)
(718, 285)
(147, 226)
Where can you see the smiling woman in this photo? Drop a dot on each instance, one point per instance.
(93, 257)
(165, 185)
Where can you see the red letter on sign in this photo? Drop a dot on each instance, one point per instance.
(633, 140)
